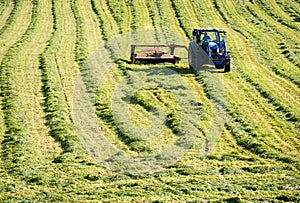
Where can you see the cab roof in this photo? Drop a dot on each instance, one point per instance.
(201, 30)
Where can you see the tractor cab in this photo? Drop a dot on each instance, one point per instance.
(212, 41)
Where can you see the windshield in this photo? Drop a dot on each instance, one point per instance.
(210, 36)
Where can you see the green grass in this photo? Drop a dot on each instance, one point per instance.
(239, 131)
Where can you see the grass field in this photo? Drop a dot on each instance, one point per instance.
(79, 123)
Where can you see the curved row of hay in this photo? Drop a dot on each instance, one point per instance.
(43, 49)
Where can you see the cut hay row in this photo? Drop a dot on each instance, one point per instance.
(289, 38)
(234, 99)
(58, 76)
(106, 21)
(121, 14)
(29, 83)
(285, 100)
(282, 13)
(14, 26)
(12, 15)
(88, 35)
(242, 64)
(5, 11)
(259, 31)
(140, 18)
(256, 158)
(15, 149)
(104, 90)
(104, 110)
(292, 140)
(164, 21)
(81, 41)
(186, 19)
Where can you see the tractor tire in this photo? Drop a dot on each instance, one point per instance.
(219, 67)
(227, 68)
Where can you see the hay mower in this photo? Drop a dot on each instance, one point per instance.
(152, 53)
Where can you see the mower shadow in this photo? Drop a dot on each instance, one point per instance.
(154, 69)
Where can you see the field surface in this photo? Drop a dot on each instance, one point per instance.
(80, 123)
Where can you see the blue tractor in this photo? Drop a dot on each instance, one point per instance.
(209, 45)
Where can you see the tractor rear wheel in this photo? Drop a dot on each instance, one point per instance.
(227, 67)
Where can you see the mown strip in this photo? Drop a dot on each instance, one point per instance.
(103, 102)
(286, 107)
(186, 20)
(58, 114)
(164, 21)
(140, 19)
(256, 30)
(121, 14)
(81, 53)
(15, 147)
(288, 36)
(246, 142)
(5, 11)
(108, 26)
(13, 15)
(276, 13)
